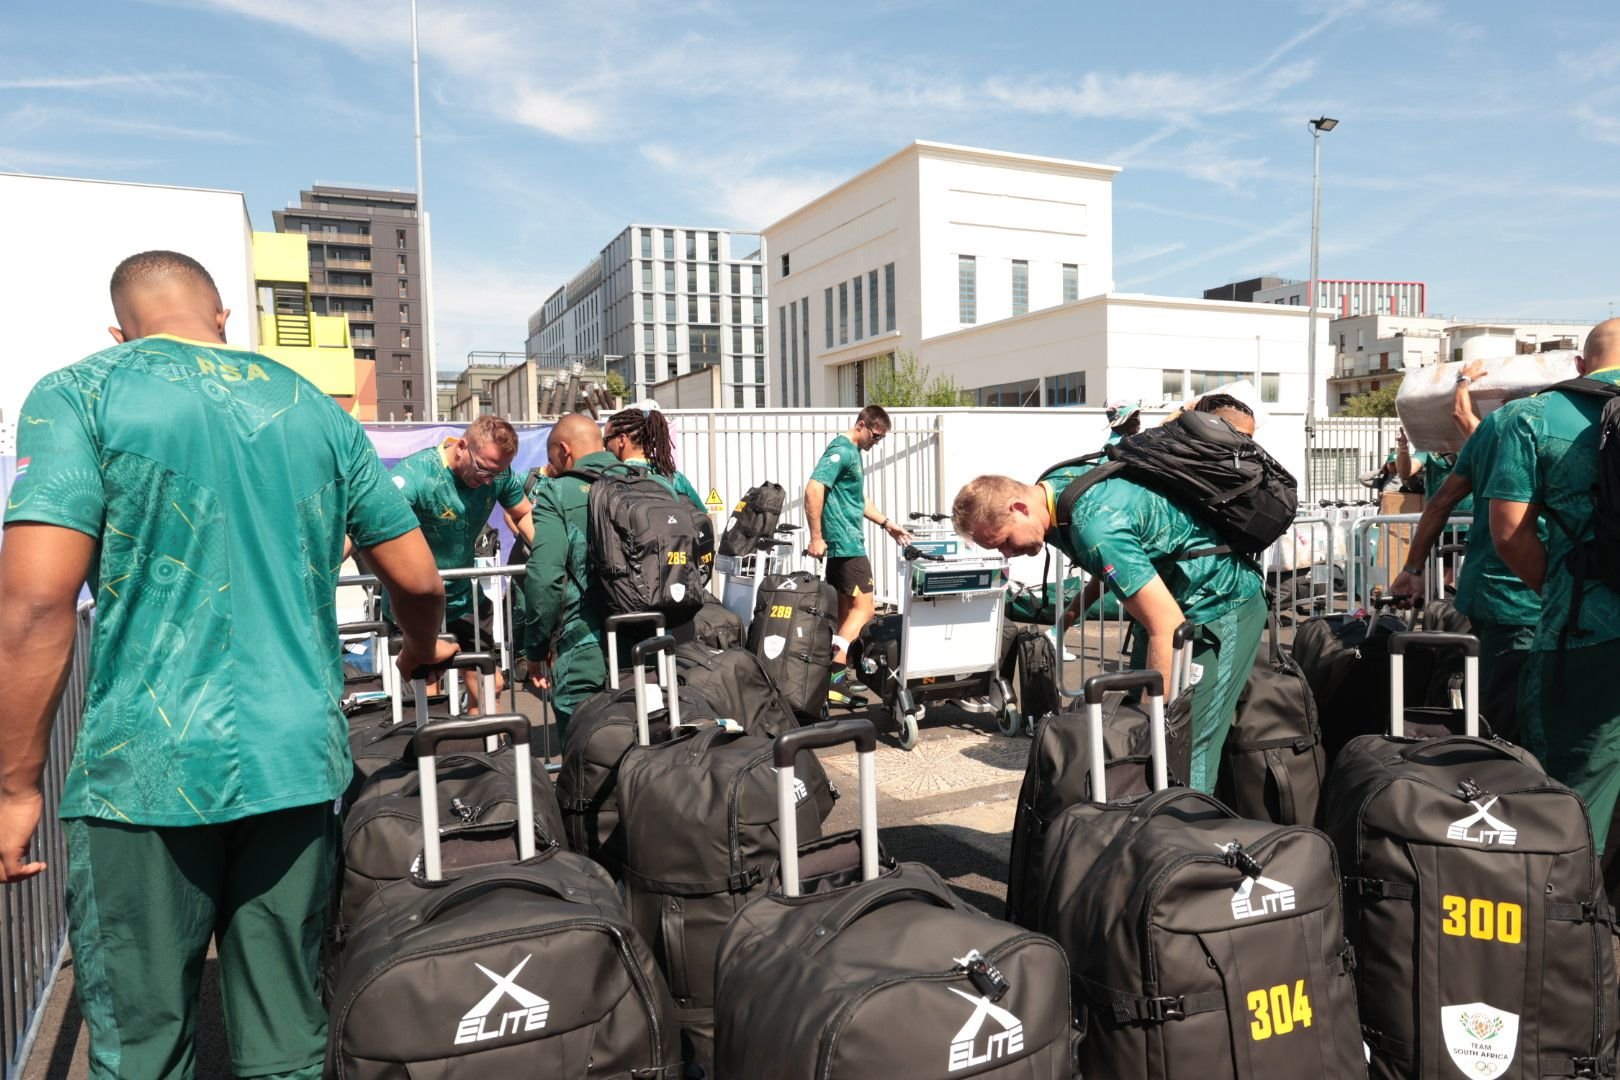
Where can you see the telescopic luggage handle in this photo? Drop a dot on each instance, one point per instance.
(611, 626)
(818, 737)
(378, 632)
(481, 662)
(427, 740)
(394, 644)
(1181, 668)
(1093, 691)
(660, 645)
(1400, 642)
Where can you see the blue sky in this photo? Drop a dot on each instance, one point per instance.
(1478, 150)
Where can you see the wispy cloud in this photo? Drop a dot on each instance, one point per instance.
(1140, 255)
(28, 160)
(1291, 225)
(146, 84)
(32, 118)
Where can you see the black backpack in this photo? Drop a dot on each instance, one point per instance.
(650, 549)
(1206, 467)
(1597, 559)
(753, 519)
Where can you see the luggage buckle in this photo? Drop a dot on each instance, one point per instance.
(1241, 860)
(1585, 1067)
(1468, 791)
(1160, 1009)
(986, 978)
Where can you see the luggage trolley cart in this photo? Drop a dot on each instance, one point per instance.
(745, 573)
(949, 630)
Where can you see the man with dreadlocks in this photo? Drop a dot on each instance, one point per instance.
(641, 436)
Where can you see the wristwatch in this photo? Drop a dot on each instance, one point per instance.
(1463, 380)
(1415, 571)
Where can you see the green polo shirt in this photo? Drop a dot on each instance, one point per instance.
(1125, 534)
(1547, 454)
(220, 486)
(1486, 589)
(844, 512)
(451, 513)
(1436, 467)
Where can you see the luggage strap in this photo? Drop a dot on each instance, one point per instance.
(1592, 911)
(736, 883)
(1578, 1067)
(1374, 889)
(1151, 1010)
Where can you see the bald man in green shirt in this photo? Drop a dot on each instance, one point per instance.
(204, 493)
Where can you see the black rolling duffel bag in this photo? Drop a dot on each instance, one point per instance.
(854, 967)
(1482, 934)
(525, 969)
(1274, 764)
(1201, 943)
(791, 633)
(1058, 774)
(753, 519)
(381, 736)
(699, 818)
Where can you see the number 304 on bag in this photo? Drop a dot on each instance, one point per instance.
(1483, 920)
(1277, 1010)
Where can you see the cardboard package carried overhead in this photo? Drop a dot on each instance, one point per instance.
(1424, 401)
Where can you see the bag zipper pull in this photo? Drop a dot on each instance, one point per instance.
(1468, 791)
(984, 976)
(467, 814)
(1236, 857)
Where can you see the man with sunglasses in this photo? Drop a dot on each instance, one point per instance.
(835, 505)
(453, 488)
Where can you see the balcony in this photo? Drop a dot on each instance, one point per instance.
(342, 290)
(340, 238)
(347, 264)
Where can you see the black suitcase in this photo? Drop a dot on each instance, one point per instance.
(791, 633)
(853, 967)
(1058, 773)
(1201, 943)
(1482, 933)
(526, 969)
(714, 626)
(753, 519)
(699, 819)
(382, 736)
(1273, 764)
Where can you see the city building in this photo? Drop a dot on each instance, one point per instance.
(470, 394)
(292, 333)
(657, 302)
(55, 292)
(1242, 290)
(365, 263)
(1350, 298)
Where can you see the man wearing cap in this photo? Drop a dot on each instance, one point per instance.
(1124, 419)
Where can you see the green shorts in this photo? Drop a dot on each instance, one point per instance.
(143, 904)
(1570, 717)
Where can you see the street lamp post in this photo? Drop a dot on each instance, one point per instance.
(1319, 125)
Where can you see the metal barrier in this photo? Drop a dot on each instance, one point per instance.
(34, 912)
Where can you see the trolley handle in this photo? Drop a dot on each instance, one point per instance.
(913, 553)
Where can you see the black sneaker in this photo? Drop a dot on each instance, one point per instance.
(845, 683)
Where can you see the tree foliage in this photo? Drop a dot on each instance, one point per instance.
(615, 384)
(906, 382)
(1380, 402)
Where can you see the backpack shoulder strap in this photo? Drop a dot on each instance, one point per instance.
(1067, 463)
(1080, 485)
(581, 474)
(1586, 385)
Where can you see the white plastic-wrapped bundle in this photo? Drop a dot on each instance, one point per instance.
(1424, 401)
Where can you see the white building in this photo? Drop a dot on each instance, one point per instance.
(1351, 298)
(997, 269)
(54, 305)
(660, 301)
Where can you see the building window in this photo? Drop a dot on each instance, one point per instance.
(759, 368)
(691, 277)
(1205, 381)
(736, 309)
(759, 310)
(1270, 388)
(647, 276)
(714, 309)
(714, 247)
(649, 339)
(714, 278)
(1024, 394)
(736, 369)
(672, 366)
(691, 245)
(646, 243)
(860, 316)
(669, 277)
(407, 388)
(804, 327)
(669, 309)
(404, 287)
(402, 264)
(402, 361)
(1067, 389)
(649, 364)
(736, 280)
(736, 340)
(785, 270)
(399, 238)
(737, 396)
(791, 337)
(1071, 282)
(759, 281)
(691, 307)
(967, 290)
(759, 339)
(1020, 287)
(828, 295)
(669, 244)
(872, 300)
(647, 312)
(782, 353)
(404, 313)
(1170, 385)
(669, 339)
(843, 313)
(888, 297)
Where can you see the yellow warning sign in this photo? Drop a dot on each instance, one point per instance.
(714, 502)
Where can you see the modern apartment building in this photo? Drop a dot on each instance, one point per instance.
(1351, 298)
(365, 264)
(657, 302)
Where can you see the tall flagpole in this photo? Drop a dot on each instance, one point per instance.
(432, 405)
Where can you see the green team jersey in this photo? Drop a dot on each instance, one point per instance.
(1547, 454)
(220, 486)
(1486, 589)
(1436, 467)
(844, 511)
(1124, 534)
(452, 514)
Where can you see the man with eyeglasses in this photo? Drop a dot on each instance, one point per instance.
(835, 505)
(453, 488)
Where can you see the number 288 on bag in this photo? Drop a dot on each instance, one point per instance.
(1277, 1010)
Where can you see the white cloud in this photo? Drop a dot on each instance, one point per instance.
(479, 305)
(151, 84)
(1139, 255)
(57, 120)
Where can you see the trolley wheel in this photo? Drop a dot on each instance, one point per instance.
(908, 729)
(1029, 726)
(1009, 721)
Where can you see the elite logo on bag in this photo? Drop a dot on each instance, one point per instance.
(1481, 1040)
(1009, 1040)
(477, 1025)
(1276, 899)
(1495, 831)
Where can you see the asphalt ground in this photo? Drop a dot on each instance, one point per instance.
(948, 803)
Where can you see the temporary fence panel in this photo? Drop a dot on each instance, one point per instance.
(1346, 449)
(34, 912)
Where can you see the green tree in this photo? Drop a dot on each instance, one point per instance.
(615, 384)
(903, 381)
(1380, 402)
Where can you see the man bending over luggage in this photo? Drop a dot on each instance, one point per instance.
(835, 504)
(1136, 540)
(565, 615)
(205, 492)
(1548, 462)
(453, 488)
